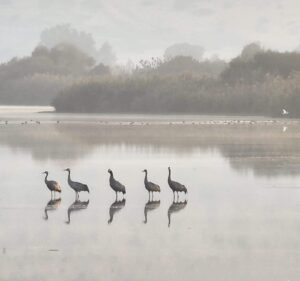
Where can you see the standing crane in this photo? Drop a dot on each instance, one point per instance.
(150, 186)
(115, 185)
(53, 186)
(175, 186)
(76, 186)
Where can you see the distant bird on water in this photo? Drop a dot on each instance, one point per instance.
(76, 186)
(150, 186)
(284, 112)
(175, 186)
(115, 185)
(53, 186)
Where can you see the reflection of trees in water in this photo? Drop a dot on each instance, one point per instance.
(45, 141)
(262, 148)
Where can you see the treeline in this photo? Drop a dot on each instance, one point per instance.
(39, 78)
(257, 82)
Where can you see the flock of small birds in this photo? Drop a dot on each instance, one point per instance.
(116, 186)
(140, 123)
(284, 113)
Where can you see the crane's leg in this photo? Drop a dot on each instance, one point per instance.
(116, 196)
(173, 196)
(177, 196)
(152, 195)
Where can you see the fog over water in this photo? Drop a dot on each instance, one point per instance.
(240, 217)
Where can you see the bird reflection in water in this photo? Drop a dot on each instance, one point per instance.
(77, 205)
(52, 205)
(174, 208)
(115, 207)
(150, 206)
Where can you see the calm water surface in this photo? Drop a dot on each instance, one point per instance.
(241, 220)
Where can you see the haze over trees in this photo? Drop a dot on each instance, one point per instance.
(257, 82)
(184, 50)
(63, 57)
(37, 79)
(83, 41)
(63, 70)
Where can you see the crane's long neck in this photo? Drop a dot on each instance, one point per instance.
(69, 176)
(46, 180)
(111, 177)
(146, 176)
(169, 177)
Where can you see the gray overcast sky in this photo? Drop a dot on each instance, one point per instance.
(143, 28)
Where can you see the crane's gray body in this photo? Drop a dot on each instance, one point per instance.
(115, 185)
(176, 186)
(150, 186)
(76, 186)
(52, 185)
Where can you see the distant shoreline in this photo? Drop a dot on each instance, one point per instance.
(24, 111)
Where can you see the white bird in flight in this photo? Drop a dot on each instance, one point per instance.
(284, 112)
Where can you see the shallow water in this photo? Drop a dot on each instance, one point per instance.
(241, 220)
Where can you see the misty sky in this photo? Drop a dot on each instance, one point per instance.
(143, 28)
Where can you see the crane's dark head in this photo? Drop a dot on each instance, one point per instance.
(110, 171)
(169, 168)
(67, 170)
(144, 171)
(46, 172)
